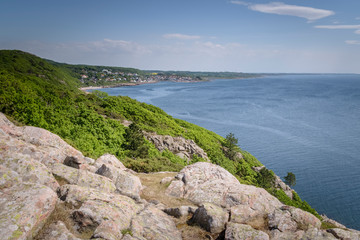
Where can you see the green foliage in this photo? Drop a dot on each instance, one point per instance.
(126, 231)
(290, 179)
(230, 146)
(135, 142)
(327, 225)
(295, 202)
(266, 178)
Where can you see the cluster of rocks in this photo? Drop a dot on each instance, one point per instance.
(49, 190)
(182, 147)
(238, 211)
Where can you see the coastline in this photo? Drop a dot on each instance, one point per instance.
(116, 85)
(133, 84)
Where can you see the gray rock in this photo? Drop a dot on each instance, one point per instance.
(72, 162)
(236, 231)
(244, 214)
(24, 208)
(180, 211)
(128, 184)
(304, 219)
(276, 234)
(109, 160)
(281, 220)
(166, 180)
(82, 178)
(29, 169)
(205, 182)
(316, 234)
(210, 217)
(153, 223)
(180, 146)
(36, 143)
(344, 234)
(108, 214)
(58, 231)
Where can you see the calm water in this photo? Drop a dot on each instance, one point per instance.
(306, 124)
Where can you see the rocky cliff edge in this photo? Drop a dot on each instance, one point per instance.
(49, 190)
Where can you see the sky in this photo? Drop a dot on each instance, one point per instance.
(259, 36)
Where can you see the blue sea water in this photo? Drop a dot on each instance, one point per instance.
(305, 124)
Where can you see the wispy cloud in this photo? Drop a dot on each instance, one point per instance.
(338, 26)
(280, 8)
(181, 36)
(240, 3)
(357, 27)
(352, 42)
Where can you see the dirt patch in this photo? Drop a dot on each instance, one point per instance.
(154, 190)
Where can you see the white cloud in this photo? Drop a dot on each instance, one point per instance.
(181, 36)
(292, 10)
(280, 8)
(240, 3)
(352, 42)
(338, 26)
(357, 27)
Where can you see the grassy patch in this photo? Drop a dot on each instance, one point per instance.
(156, 191)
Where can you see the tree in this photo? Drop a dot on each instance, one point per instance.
(265, 178)
(290, 179)
(230, 145)
(135, 142)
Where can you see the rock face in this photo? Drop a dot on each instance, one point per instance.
(49, 190)
(153, 223)
(182, 147)
(205, 182)
(25, 207)
(235, 231)
(38, 171)
(211, 217)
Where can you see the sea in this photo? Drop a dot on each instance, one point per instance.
(305, 124)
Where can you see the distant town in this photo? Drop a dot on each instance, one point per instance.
(118, 76)
(108, 76)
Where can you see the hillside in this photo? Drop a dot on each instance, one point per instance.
(49, 190)
(44, 94)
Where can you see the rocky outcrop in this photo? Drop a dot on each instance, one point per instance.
(49, 190)
(38, 171)
(58, 231)
(205, 182)
(153, 223)
(25, 207)
(211, 217)
(180, 146)
(235, 231)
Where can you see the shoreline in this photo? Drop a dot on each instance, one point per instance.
(116, 85)
(134, 84)
(127, 84)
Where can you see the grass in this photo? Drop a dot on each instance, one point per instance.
(154, 190)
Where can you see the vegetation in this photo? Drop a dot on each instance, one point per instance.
(290, 179)
(230, 146)
(45, 94)
(295, 201)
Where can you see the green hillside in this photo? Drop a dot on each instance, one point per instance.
(45, 94)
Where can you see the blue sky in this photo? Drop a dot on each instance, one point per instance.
(320, 36)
